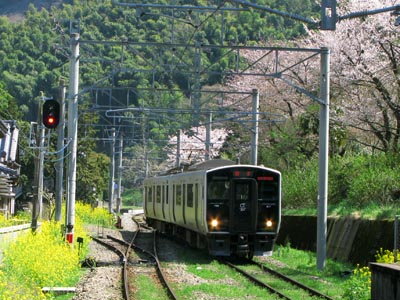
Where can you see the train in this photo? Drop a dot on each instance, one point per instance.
(227, 208)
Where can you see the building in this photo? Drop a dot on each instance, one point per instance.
(9, 168)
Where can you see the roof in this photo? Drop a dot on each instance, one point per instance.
(211, 164)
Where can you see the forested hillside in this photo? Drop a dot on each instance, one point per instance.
(180, 60)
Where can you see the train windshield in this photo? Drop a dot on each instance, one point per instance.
(218, 190)
(268, 191)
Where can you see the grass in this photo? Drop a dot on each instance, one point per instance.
(301, 266)
(203, 277)
(146, 289)
(372, 211)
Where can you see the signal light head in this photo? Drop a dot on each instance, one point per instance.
(51, 113)
(51, 120)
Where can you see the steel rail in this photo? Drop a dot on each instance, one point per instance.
(124, 260)
(310, 290)
(161, 274)
(160, 270)
(255, 280)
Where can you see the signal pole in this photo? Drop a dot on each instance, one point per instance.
(72, 134)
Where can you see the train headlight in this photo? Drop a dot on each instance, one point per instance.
(269, 224)
(214, 223)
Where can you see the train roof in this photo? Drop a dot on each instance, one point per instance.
(211, 164)
(207, 165)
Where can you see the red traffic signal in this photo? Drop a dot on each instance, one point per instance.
(51, 113)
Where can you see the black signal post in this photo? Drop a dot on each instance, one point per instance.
(51, 113)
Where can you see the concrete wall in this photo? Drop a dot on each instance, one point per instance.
(349, 239)
(385, 284)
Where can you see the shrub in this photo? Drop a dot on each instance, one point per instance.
(300, 186)
(359, 285)
(34, 260)
(14, 220)
(384, 256)
(43, 258)
(90, 215)
(358, 180)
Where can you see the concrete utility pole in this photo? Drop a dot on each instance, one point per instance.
(72, 134)
(119, 188)
(254, 137)
(60, 154)
(323, 160)
(37, 208)
(112, 168)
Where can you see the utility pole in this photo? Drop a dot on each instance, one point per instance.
(323, 160)
(37, 208)
(112, 168)
(72, 134)
(254, 131)
(119, 188)
(60, 153)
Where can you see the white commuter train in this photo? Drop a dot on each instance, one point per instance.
(228, 208)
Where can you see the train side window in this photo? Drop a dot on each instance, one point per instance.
(174, 194)
(166, 195)
(184, 196)
(158, 193)
(178, 195)
(190, 195)
(196, 193)
(163, 194)
(149, 194)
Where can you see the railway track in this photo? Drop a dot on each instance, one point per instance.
(258, 276)
(138, 251)
(138, 254)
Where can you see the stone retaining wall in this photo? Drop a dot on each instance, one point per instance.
(349, 239)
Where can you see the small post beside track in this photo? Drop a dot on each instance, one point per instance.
(396, 237)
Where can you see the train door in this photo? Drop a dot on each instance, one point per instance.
(244, 205)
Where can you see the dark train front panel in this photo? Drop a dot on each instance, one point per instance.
(243, 210)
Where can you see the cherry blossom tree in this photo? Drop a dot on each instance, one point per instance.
(193, 145)
(365, 73)
(365, 81)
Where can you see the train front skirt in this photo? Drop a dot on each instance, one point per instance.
(242, 244)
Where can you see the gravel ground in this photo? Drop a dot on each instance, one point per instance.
(103, 282)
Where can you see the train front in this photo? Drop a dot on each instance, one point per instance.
(243, 210)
